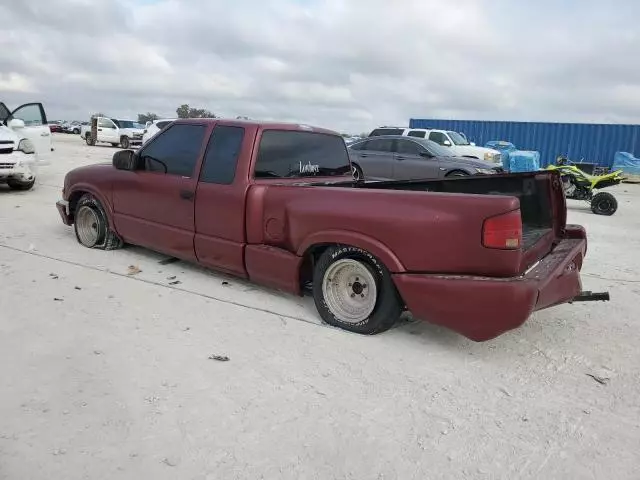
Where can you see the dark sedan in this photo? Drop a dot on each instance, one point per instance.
(395, 157)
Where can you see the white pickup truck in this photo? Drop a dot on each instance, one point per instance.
(125, 133)
(25, 143)
(456, 142)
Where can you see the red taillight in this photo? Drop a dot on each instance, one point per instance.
(503, 231)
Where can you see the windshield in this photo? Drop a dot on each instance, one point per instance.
(292, 154)
(458, 139)
(124, 123)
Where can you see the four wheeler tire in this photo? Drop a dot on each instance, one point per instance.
(92, 225)
(353, 290)
(116, 145)
(89, 139)
(604, 203)
(357, 173)
(124, 142)
(21, 186)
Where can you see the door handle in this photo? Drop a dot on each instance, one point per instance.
(186, 194)
(99, 129)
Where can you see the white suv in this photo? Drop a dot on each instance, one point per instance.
(457, 142)
(152, 128)
(25, 143)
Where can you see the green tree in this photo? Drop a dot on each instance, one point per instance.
(147, 117)
(185, 111)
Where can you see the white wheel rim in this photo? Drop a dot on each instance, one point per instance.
(87, 225)
(349, 290)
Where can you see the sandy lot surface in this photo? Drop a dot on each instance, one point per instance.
(107, 376)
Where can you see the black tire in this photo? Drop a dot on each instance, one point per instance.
(124, 142)
(356, 171)
(388, 304)
(21, 186)
(457, 173)
(115, 145)
(604, 203)
(104, 238)
(89, 139)
(76, 131)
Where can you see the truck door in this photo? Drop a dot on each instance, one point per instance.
(154, 205)
(35, 128)
(221, 199)
(107, 131)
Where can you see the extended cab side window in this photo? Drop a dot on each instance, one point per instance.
(438, 137)
(221, 158)
(291, 154)
(175, 151)
(105, 123)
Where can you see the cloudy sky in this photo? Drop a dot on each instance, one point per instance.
(349, 65)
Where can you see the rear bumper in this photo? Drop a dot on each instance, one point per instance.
(63, 210)
(482, 308)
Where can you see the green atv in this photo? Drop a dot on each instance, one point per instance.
(580, 186)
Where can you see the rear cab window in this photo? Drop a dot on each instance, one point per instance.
(296, 154)
(386, 131)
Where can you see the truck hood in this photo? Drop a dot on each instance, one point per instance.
(473, 162)
(474, 151)
(132, 130)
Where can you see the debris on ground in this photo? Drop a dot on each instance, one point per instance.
(133, 270)
(186, 329)
(59, 451)
(53, 276)
(175, 282)
(97, 352)
(600, 380)
(168, 261)
(225, 283)
(171, 461)
(219, 358)
(77, 288)
(506, 392)
(172, 277)
(56, 299)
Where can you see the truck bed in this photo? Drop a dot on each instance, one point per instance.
(532, 189)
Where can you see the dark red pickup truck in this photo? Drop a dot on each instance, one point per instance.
(275, 203)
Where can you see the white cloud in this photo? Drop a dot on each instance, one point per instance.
(343, 64)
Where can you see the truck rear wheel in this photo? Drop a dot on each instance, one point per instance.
(89, 139)
(354, 291)
(92, 225)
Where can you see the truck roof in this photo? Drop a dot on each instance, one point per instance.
(263, 125)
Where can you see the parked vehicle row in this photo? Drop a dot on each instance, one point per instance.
(454, 141)
(395, 157)
(274, 203)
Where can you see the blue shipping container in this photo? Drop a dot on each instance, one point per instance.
(594, 143)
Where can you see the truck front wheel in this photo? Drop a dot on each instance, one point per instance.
(124, 142)
(354, 291)
(92, 226)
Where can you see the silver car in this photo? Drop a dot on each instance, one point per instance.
(394, 157)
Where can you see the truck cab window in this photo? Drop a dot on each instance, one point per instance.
(175, 151)
(221, 158)
(291, 154)
(105, 123)
(438, 137)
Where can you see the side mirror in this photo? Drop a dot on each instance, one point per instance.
(125, 160)
(446, 143)
(426, 154)
(16, 123)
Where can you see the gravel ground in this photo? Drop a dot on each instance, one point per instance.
(107, 375)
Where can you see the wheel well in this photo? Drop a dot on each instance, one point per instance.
(73, 200)
(308, 263)
(453, 172)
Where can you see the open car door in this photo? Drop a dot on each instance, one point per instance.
(33, 126)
